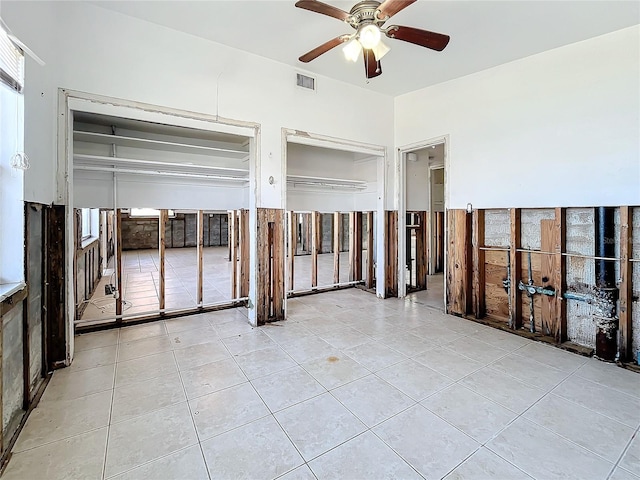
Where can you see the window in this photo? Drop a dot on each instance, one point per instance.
(11, 179)
(148, 212)
(90, 222)
(11, 63)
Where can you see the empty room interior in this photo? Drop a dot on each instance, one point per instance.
(273, 239)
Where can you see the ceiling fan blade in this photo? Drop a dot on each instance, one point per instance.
(424, 38)
(371, 66)
(389, 8)
(324, 48)
(323, 8)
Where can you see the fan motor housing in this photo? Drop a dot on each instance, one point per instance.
(363, 13)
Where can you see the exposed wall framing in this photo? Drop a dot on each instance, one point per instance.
(533, 270)
(391, 254)
(270, 262)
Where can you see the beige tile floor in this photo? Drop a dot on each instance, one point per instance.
(350, 387)
(141, 280)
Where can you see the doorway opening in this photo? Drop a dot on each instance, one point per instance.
(160, 220)
(422, 257)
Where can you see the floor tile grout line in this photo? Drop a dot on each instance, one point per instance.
(193, 421)
(624, 452)
(113, 391)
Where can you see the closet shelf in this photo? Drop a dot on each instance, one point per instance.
(295, 180)
(137, 142)
(131, 163)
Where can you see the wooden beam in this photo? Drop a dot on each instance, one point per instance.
(162, 245)
(479, 305)
(626, 282)
(229, 220)
(315, 247)
(292, 229)
(459, 262)
(355, 246)
(548, 243)
(278, 249)
(369, 281)
(200, 240)
(560, 323)
(244, 252)
(270, 286)
(119, 282)
(391, 267)
(337, 226)
(515, 311)
(358, 246)
(422, 259)
(233, 229)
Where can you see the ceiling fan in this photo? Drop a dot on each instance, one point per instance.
(367, 18)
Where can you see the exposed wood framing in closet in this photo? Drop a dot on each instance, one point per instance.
(244, 252)
(369, 279)
(355, 246)
(270, 284)
(626, 282)
(200, 254)
(234, 244)
(162, 223)
(119, 282)
(292, 243)
(337, 227)
(316, 232)
(391, 254)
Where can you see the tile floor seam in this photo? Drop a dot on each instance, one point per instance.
(274, 417)
(193, 421)
(148, 462)
(624, 452)
(398, 454)
(633, 397)
(106, 446)
(581, 447)
(588, 408)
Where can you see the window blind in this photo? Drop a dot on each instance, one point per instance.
(11, 63)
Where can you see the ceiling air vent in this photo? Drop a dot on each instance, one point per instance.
(305, 81)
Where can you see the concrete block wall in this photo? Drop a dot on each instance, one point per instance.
(581, 274)
(180, 231)
(497, 232)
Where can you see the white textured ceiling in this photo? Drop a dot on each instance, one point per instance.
(483, 33)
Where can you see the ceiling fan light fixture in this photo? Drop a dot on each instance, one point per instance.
(380, 50)
(369, 36)
(352, 50)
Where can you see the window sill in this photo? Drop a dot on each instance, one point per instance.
(87, 241)
(8, 289)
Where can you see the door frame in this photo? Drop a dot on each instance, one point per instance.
(400, 202)
(70, 101)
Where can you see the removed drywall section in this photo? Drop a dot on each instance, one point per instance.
(581, 274)
(635, 312)
(12, 370)
(496, 228)
(530, 225)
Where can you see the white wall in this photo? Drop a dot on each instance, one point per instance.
(313, 161)
(556, 129)
(417, 182)
(102, 52)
